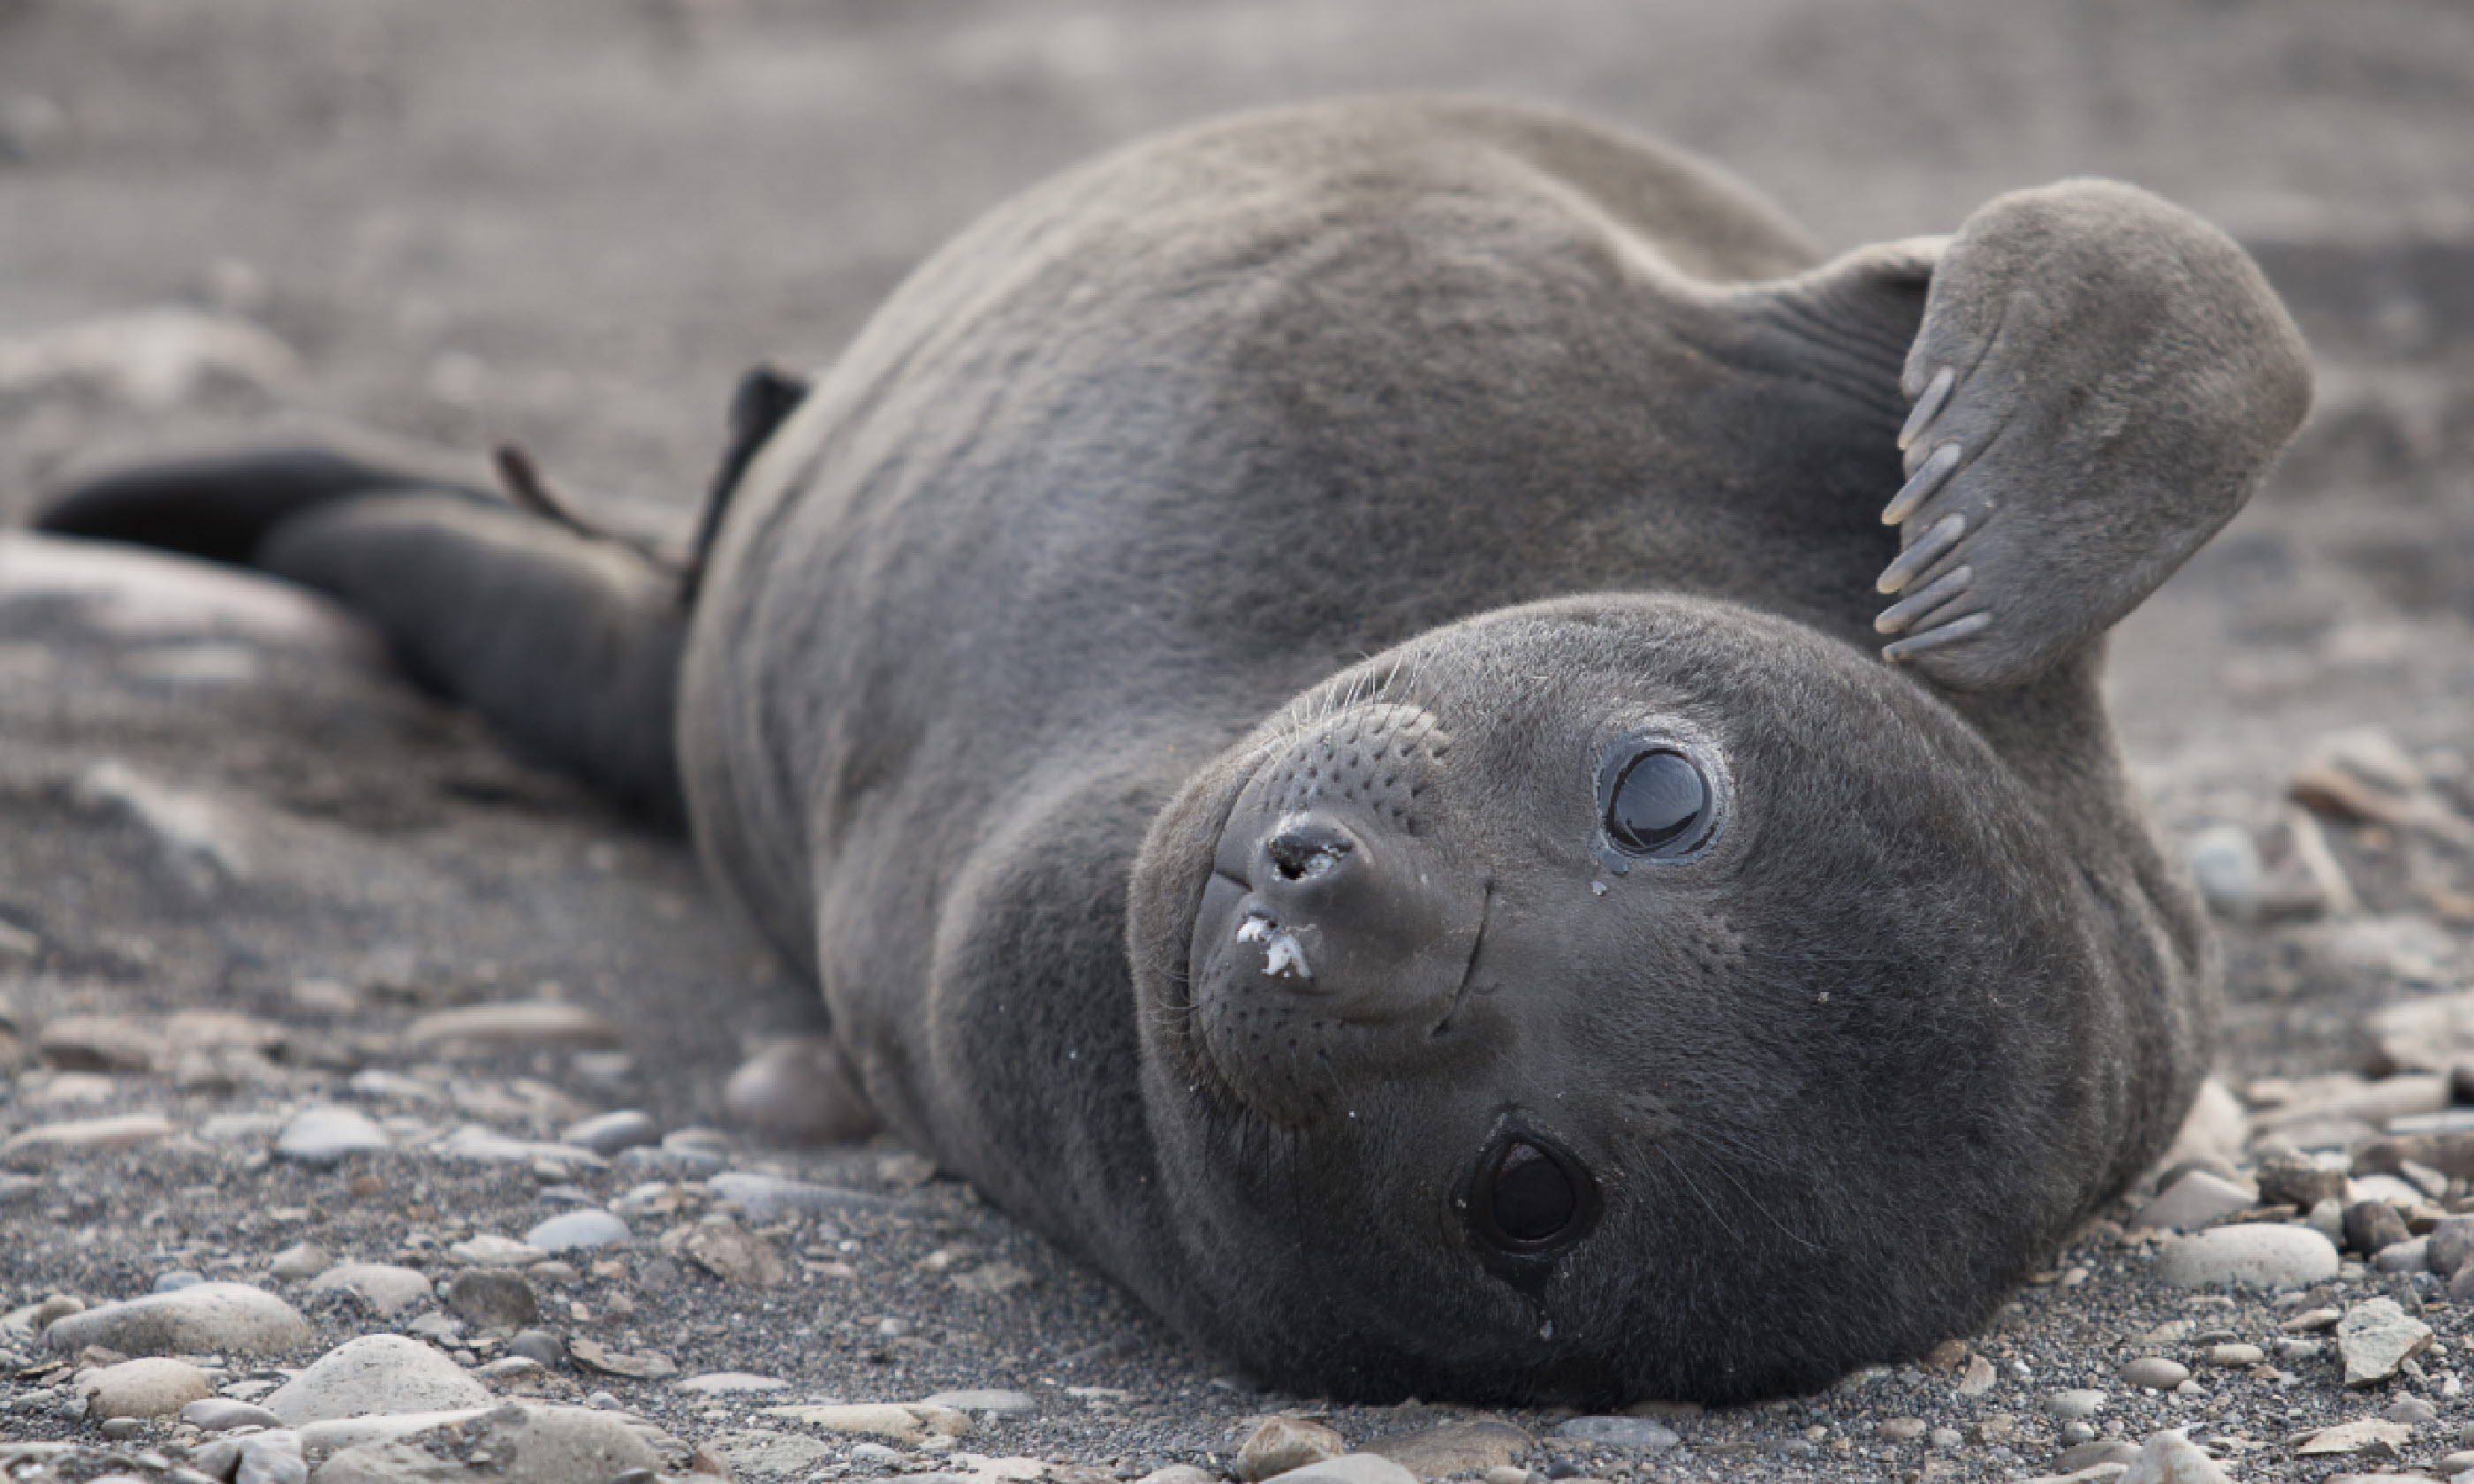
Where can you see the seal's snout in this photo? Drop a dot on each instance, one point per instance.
(1363, 918)
(1337, 927)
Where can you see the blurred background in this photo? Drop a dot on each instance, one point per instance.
(573, 222)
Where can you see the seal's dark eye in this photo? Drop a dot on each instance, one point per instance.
(1661, 804)
(1531, 1199)
(1528, 1198)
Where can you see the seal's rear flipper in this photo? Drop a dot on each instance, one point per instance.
(2100, 382)
(219, 506)
(567, 642)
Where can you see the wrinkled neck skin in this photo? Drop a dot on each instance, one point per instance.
(1385, 937)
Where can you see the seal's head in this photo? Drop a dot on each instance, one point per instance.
(1615, 997)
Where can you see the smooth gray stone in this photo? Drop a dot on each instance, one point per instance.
(324, 1135)
(1005, 1403)
(221, 1414)
(1635, 1432)
(767, 1196)
(578, 1231)
(608, 1133)
(376, 1373)
(202, 1319)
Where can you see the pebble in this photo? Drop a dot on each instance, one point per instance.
(2224, 861)
(2260, 1255)
(2234, 1356)
(98, 1043)
(2413, 1411)
(724, 1383)
(1467, 1446)
(2411, 1256)
(221, 1414)
(1635, 1432)
(2171, 1459)
(530, 1024)
(606, 1134)
(273, 1458)
(376, 1373)
(523, 1444)
(2376, 1337)
(2294, 1177)
(796, 1091)
(1280, 1444)
(197, 835)
(2195, 1200)
(1903, 1429)
(324, 1135)
(2426, 1034)
(491, 1250)
(765, 1197)
(684, 1163)
(488, 1146)
(2076, 1404)
(1188, 1474)
(2362, 1435)
(2457, 1462)
(911, 1423)
(578, 1231)
(1004, 1403)
(299, 1260)
(2155, 1372)
(2372, 1226)
(639, 1365)
(153, 1387)
(493, 1298)
(758, 1450)
(90, 1136)
(541, 1345)
(2451, 1246)
(386, 1288)
(202, 1319)
(177, 1278)
(2095, 1454)
(1350, 1469)
(733, 1253)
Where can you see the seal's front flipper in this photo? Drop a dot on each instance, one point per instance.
(2100, 382)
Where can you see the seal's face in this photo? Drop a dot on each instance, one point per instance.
(1595, 975)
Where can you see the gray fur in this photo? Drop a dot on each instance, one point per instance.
(1371, 472)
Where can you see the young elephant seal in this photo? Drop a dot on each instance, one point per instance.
(1313, 694)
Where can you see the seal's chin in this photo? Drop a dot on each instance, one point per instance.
(1337, 928)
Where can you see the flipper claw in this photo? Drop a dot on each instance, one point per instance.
(1929, 478)
(1938, 539)
(1950, 632)
(1928, 405)
(1906, 611)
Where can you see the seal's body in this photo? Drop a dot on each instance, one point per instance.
(1309, 693)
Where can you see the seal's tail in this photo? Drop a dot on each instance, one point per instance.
(568, 641)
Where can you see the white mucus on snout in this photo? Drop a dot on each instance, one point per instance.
(1283, 956)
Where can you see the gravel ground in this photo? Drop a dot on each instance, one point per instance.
(572, 224)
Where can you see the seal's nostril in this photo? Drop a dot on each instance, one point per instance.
(1300, 851)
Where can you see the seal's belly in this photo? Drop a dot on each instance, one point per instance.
(1159, 445)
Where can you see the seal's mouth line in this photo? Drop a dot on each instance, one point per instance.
(1468, 970)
